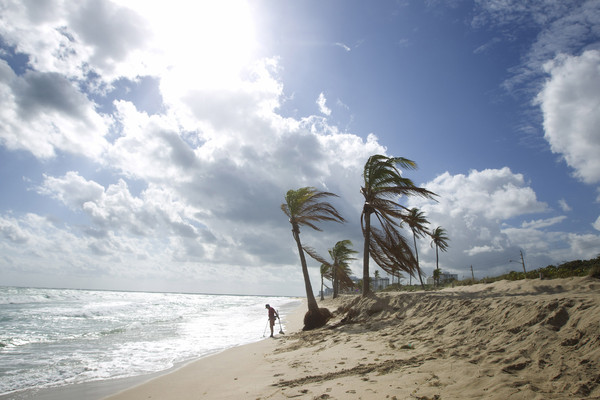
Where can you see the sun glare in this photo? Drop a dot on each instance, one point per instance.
(200, 42)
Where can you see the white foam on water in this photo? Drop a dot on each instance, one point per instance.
(51, 337)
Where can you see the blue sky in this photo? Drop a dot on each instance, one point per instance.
(146, 146)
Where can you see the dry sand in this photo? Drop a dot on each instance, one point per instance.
(533, 339)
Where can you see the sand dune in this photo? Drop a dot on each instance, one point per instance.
(531, 339)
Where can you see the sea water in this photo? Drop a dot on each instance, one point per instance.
(58, 337)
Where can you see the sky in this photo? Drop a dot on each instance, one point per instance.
(148, 145)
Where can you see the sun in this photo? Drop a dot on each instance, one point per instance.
(200, 42)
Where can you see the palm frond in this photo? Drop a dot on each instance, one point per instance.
(326, 272)
(315, 256)
(305, 206)
(439, 238)
(416, 220)
(391, 253)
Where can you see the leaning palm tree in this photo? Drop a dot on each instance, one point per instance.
(344, 282)
(341, 254)
(440, 239)
(416, 221)
(306, 206)
(339, 266)
(383, 185)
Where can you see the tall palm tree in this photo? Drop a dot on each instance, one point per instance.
(416, 221)
(339, 266)
(341, 254)
(306, 207)
(383, 185)
(325, 274)
(440, 239)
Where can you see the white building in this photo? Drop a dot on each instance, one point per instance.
(380, 283)
(376, 283)
(444, 277)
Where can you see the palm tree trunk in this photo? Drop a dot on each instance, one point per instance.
(335, 281)
(366, 286)
(417, 254)
(310, 296)
(322, 294)
(437, 265)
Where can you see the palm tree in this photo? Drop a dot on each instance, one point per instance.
(416, 221)
(436, 277)
(383, 184)
(306, 206)
(339, 267)
(341, 254)
(325, 274)
(440, 239)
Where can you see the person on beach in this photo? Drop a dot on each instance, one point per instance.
(273, 315)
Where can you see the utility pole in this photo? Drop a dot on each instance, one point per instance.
(522, 261)
(472, 275)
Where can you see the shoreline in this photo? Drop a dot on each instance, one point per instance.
(101, 389)
(515, 340)
(226, 370)
(534, 339)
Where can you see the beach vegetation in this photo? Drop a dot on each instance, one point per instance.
(307, 206)
(341, 255)
(325, 274)
(382, 188)
(569, 269)
(416, 221)
(440, 240)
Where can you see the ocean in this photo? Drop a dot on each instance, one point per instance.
(58, 337)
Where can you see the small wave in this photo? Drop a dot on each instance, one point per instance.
(114, 331)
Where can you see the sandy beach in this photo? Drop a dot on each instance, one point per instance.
(534, 339)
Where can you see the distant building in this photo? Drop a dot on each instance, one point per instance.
(326, 292)
(376, 283)
(444, 277)
(380, 283)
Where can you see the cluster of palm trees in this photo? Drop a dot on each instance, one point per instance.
(381, 221)
(338, 269)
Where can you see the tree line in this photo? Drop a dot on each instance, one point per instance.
(381, 219)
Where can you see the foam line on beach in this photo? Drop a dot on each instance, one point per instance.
(520, 340)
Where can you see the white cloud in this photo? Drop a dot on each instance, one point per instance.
(493, 193)
(343, 46)
(44, 112)
(157, 213)
(596, 224)
(11, 231)
(74, 38)
(321, 102)
(472, 209)
(584, 246)
(564, 26)
(543, 223)
(564, 205)
(110, 34)
(570, 102)
(477, 211)
(483, 250)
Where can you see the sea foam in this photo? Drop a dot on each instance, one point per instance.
(57, 337)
